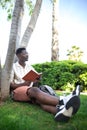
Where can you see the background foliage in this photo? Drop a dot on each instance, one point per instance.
(63, 75)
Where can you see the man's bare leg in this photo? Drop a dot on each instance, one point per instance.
(49, 108)
(42, 97)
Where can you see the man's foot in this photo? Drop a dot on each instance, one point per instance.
(65, 99)
(76, 91)
(75, 103)
(71, 107)
(63, 115)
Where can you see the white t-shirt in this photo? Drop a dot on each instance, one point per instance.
(18, 72)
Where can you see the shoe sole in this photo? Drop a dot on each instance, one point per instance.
(61, 117)
(73, 103)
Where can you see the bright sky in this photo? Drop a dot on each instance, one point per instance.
(72, 31)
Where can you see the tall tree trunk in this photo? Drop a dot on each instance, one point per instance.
(55, 40)
(31, 24)
(0, 78)
(13, 41)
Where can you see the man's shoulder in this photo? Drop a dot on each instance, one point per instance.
(15, 64)
(28, 64)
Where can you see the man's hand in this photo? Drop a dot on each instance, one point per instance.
(27, 83)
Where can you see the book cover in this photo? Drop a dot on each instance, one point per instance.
(31, 76)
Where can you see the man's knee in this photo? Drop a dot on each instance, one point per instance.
(33, 91)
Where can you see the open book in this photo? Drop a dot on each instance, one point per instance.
(32, 76)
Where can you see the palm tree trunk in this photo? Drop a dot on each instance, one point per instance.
(55, 40)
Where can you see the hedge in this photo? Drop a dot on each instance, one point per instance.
(59, 74)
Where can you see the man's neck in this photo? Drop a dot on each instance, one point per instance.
(22, 63)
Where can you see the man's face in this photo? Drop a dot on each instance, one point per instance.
(23, 56)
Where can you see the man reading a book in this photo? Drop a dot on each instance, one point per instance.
(23, 90)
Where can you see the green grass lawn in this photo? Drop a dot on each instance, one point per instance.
(25, 116)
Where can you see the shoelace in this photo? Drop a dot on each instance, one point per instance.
(59, 107)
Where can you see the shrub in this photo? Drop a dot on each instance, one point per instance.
(60, 74)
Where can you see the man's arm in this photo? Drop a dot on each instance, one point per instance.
(14, 85)
(26, 83)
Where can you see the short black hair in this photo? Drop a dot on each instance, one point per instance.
(19, 50)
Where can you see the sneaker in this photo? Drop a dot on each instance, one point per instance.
(63, 115)
(76, 91)
(71, 107)
(65, 99)
(75, 103)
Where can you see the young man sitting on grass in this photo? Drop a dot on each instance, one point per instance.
(62, 107)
